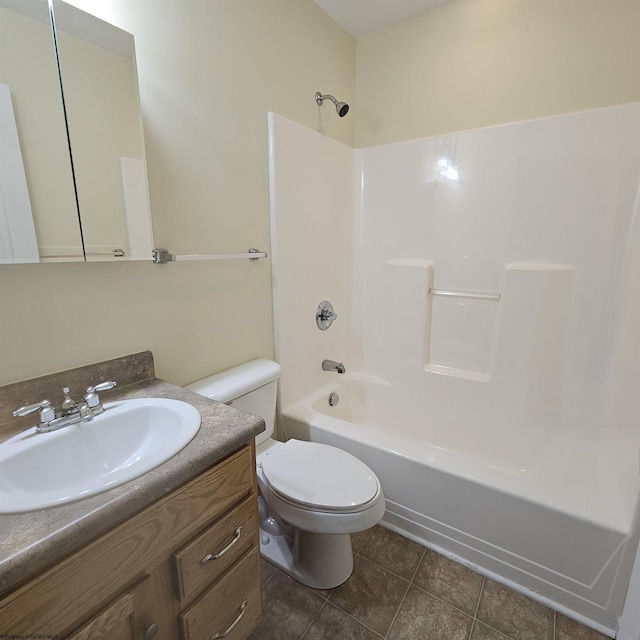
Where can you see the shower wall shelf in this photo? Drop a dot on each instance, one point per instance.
(478, 295)
(161, 256)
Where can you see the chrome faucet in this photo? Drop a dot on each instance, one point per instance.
(70, 412)
(331, 365)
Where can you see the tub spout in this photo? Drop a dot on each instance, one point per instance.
(330, 365)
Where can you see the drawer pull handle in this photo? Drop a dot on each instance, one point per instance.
(150, 632)
(211, 556)
(218, 635)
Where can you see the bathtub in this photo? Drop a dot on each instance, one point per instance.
(545, 516)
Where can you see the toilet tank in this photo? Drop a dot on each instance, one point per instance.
(250, 387)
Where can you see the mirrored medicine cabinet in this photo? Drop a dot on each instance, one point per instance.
(73, 182)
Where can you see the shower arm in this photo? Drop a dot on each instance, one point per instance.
(320, 98)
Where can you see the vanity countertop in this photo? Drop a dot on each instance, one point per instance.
(31, 542)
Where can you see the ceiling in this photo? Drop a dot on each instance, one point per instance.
(359, 17)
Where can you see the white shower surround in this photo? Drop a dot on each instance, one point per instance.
(487, 413)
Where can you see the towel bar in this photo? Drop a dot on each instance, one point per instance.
(160, 256)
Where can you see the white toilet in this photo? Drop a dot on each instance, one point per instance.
(312, 496)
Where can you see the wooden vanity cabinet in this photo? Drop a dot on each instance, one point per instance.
(187, 566)
(117, 619)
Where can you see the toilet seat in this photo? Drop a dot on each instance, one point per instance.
(317, 476)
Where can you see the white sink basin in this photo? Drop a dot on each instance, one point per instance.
(131, 437)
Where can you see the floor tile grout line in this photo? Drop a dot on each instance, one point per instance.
(319, 594)
(269, 579)
(415, 571)
(453, 606)
(306, 629)
(475, 613)
(366, 540)
(384, 569)
(393, 573)
(349, 615)
(395, 615)
(484, 582)
(501, 633)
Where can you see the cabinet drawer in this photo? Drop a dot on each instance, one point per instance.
(208, 556)
(230, 608)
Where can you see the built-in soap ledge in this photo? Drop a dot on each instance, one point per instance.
(458, 373)
(469, 336)
(470, 333)
(473, 295)
(410, 262)
(461, 333)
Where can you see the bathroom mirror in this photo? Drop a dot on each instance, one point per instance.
(38, 211)
(83, 178)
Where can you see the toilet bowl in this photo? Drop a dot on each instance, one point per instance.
(312, 496)
(323, 494)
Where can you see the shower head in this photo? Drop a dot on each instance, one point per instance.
(341, 107)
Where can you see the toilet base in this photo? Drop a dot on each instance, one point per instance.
(318, 560)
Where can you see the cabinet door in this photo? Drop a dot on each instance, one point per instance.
(116, 621)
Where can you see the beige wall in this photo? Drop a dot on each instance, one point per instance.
(475, 63)
(209, 73)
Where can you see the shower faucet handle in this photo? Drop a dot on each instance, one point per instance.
(328, 315)
(325, 315)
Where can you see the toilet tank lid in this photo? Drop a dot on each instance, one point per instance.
(235, 382)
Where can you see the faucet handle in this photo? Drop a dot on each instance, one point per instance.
(325, 315)
(47, 412)
(103, 386)
(93, 400)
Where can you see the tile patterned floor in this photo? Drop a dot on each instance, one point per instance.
(401, 591)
